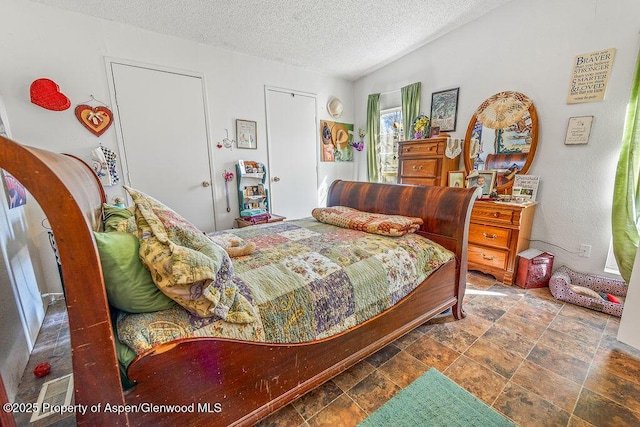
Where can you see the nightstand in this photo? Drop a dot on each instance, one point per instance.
(498, 232)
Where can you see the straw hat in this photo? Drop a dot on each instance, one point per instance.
(503, 109)
(334, 107)
(340, 135)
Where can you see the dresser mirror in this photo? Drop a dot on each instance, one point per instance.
(502, 135)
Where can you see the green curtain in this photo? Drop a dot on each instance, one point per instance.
(626, 195)
(373, 133)
(410, 107)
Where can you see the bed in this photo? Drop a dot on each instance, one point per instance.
(222, 381)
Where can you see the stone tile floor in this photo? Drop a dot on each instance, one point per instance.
(536, 360)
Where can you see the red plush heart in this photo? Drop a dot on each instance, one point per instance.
(46, 93)
(96, 119)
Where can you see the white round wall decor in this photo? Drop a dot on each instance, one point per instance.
(334, 107)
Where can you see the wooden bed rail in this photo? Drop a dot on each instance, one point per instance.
(71, 197)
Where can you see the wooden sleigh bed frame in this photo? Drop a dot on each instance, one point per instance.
(238, 382)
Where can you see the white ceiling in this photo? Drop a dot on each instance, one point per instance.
(347, 39)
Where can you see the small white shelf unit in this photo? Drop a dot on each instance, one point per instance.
(253, 196)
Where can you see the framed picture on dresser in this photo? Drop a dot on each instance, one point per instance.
(484, 179)
(456, 178)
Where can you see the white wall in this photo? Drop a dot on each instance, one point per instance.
(69, 48)
(529, 47)
(41, 41)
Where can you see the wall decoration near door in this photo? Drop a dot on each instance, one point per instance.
(444, 109)
(96, 119)
(16, 193)
(336, 141)
(46, 93)
(246, 134)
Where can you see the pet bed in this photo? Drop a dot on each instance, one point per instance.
(588, 290)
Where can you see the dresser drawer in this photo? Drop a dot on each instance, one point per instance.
(488, 256)
(488, 235)
(421, 149)
(494, 213)
(421, 181)
(429, 168)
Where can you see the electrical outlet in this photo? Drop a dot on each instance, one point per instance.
(585, 250)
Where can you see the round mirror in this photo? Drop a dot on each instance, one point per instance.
(502, 136)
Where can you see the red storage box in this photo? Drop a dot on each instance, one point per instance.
(534, 269)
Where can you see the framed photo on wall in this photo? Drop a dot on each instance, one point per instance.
(578, 130)
(444, 109)
(15, 192)
(246, 134)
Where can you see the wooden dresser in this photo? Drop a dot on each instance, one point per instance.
(497, 233)
(423, 161)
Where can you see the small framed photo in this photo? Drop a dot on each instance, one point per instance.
(578, 130)
(444, 109)
(484, 179)
(456, 178)
(246, 134)
(434, 131)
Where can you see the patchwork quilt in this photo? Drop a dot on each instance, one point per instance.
(306, 280)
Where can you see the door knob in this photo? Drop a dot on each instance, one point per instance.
(276, 178)
(206, 183)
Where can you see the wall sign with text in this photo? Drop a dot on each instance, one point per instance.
(590, 76)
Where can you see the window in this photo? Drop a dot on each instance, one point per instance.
(390, 133)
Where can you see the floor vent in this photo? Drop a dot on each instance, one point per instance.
(53, 395)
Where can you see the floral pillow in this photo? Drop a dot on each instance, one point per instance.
(386, 225)
(185, 264)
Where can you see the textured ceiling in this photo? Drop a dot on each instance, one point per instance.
(341, 38)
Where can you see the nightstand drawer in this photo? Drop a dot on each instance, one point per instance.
(487, 235)
(421, 149)
(420, 168)
(488, 256)
(493, 214)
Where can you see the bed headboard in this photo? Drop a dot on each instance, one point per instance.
(71, 197)
(445, 210)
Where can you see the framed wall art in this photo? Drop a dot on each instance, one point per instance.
(246, 134)
(444, 109)
(15, 192)
(578, 130)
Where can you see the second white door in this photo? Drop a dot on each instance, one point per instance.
(292, 144)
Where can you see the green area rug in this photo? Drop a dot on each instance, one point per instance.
(435, 400)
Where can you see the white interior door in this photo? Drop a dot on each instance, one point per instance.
(292, 144)
(165, 141)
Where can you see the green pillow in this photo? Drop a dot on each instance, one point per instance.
(128, 282)
(113, 215)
